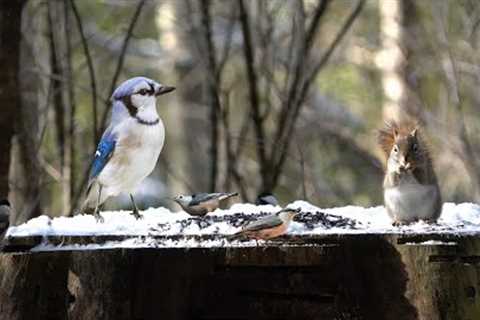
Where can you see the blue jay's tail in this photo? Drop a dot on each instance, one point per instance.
(92, 197)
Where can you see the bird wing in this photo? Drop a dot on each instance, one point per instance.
(265, 223)
(199, 198)
(104, 152)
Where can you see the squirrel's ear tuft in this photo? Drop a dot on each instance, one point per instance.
(414, 132)
(395, 132)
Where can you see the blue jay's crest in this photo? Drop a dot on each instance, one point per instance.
(135, 94)
(131, 86)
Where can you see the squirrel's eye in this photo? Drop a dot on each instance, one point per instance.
(142, 92)
(415, 147)
(395, 149)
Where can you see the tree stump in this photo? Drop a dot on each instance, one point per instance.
(370, 276)
(33, 285)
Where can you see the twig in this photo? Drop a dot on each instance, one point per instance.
(253, 93)
(120, 61)
(306, 86)
(91, 70)
(286, 119)
(213, 82)
(114, 80)
(72, 102)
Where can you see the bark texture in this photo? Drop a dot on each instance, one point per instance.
(10, 26)
(341, 277)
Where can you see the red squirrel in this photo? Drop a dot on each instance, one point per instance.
(410, 187)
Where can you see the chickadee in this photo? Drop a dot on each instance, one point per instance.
(266, 198)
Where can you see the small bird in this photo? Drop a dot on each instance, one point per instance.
(200, 204)
(5, 212)
(266, 198)
(268, 227)
(129, 148)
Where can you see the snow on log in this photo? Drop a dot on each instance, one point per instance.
(161, 228)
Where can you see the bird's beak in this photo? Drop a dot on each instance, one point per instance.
(163, 90)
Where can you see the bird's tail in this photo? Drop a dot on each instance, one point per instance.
(228, 195)
(91, 198)
(235, 236)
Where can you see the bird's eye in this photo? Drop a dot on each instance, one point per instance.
(142, 92)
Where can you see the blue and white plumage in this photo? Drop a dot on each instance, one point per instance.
(129, 148)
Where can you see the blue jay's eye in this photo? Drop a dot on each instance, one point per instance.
(142, 92)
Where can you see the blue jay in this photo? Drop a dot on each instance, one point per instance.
(200, 204)
(129, 148)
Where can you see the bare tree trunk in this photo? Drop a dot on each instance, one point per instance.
(58, 62)
(393, 60)
(10, 26)
(26, 169)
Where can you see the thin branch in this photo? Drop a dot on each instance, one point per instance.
(120, 61)
(133, 22)
(58, 102)
(72, 101)
(253, 91)
(60, 78)
(278, 164)
(213, 75)
(91, 70)
(298, 72)
(228, 43)
(451, 76)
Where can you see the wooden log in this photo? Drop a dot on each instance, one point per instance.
(33, 286)
(323, 277)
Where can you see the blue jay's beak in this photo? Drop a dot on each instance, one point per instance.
(163, 90)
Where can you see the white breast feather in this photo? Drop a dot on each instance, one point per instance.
(136, 153)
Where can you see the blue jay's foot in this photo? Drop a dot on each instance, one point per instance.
(136, 214)
(98, 217)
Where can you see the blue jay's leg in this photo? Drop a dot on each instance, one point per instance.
(135, 211)
(96, 213)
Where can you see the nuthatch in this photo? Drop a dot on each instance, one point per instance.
(129, 148)
(265, 198)
(5, 211)
(200, 204)
(268, 227)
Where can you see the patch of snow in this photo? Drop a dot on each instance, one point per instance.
(457, 219)
(432, 243)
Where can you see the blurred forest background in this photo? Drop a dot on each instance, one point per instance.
(280, 96)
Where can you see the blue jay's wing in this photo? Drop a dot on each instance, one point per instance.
(104, 152)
